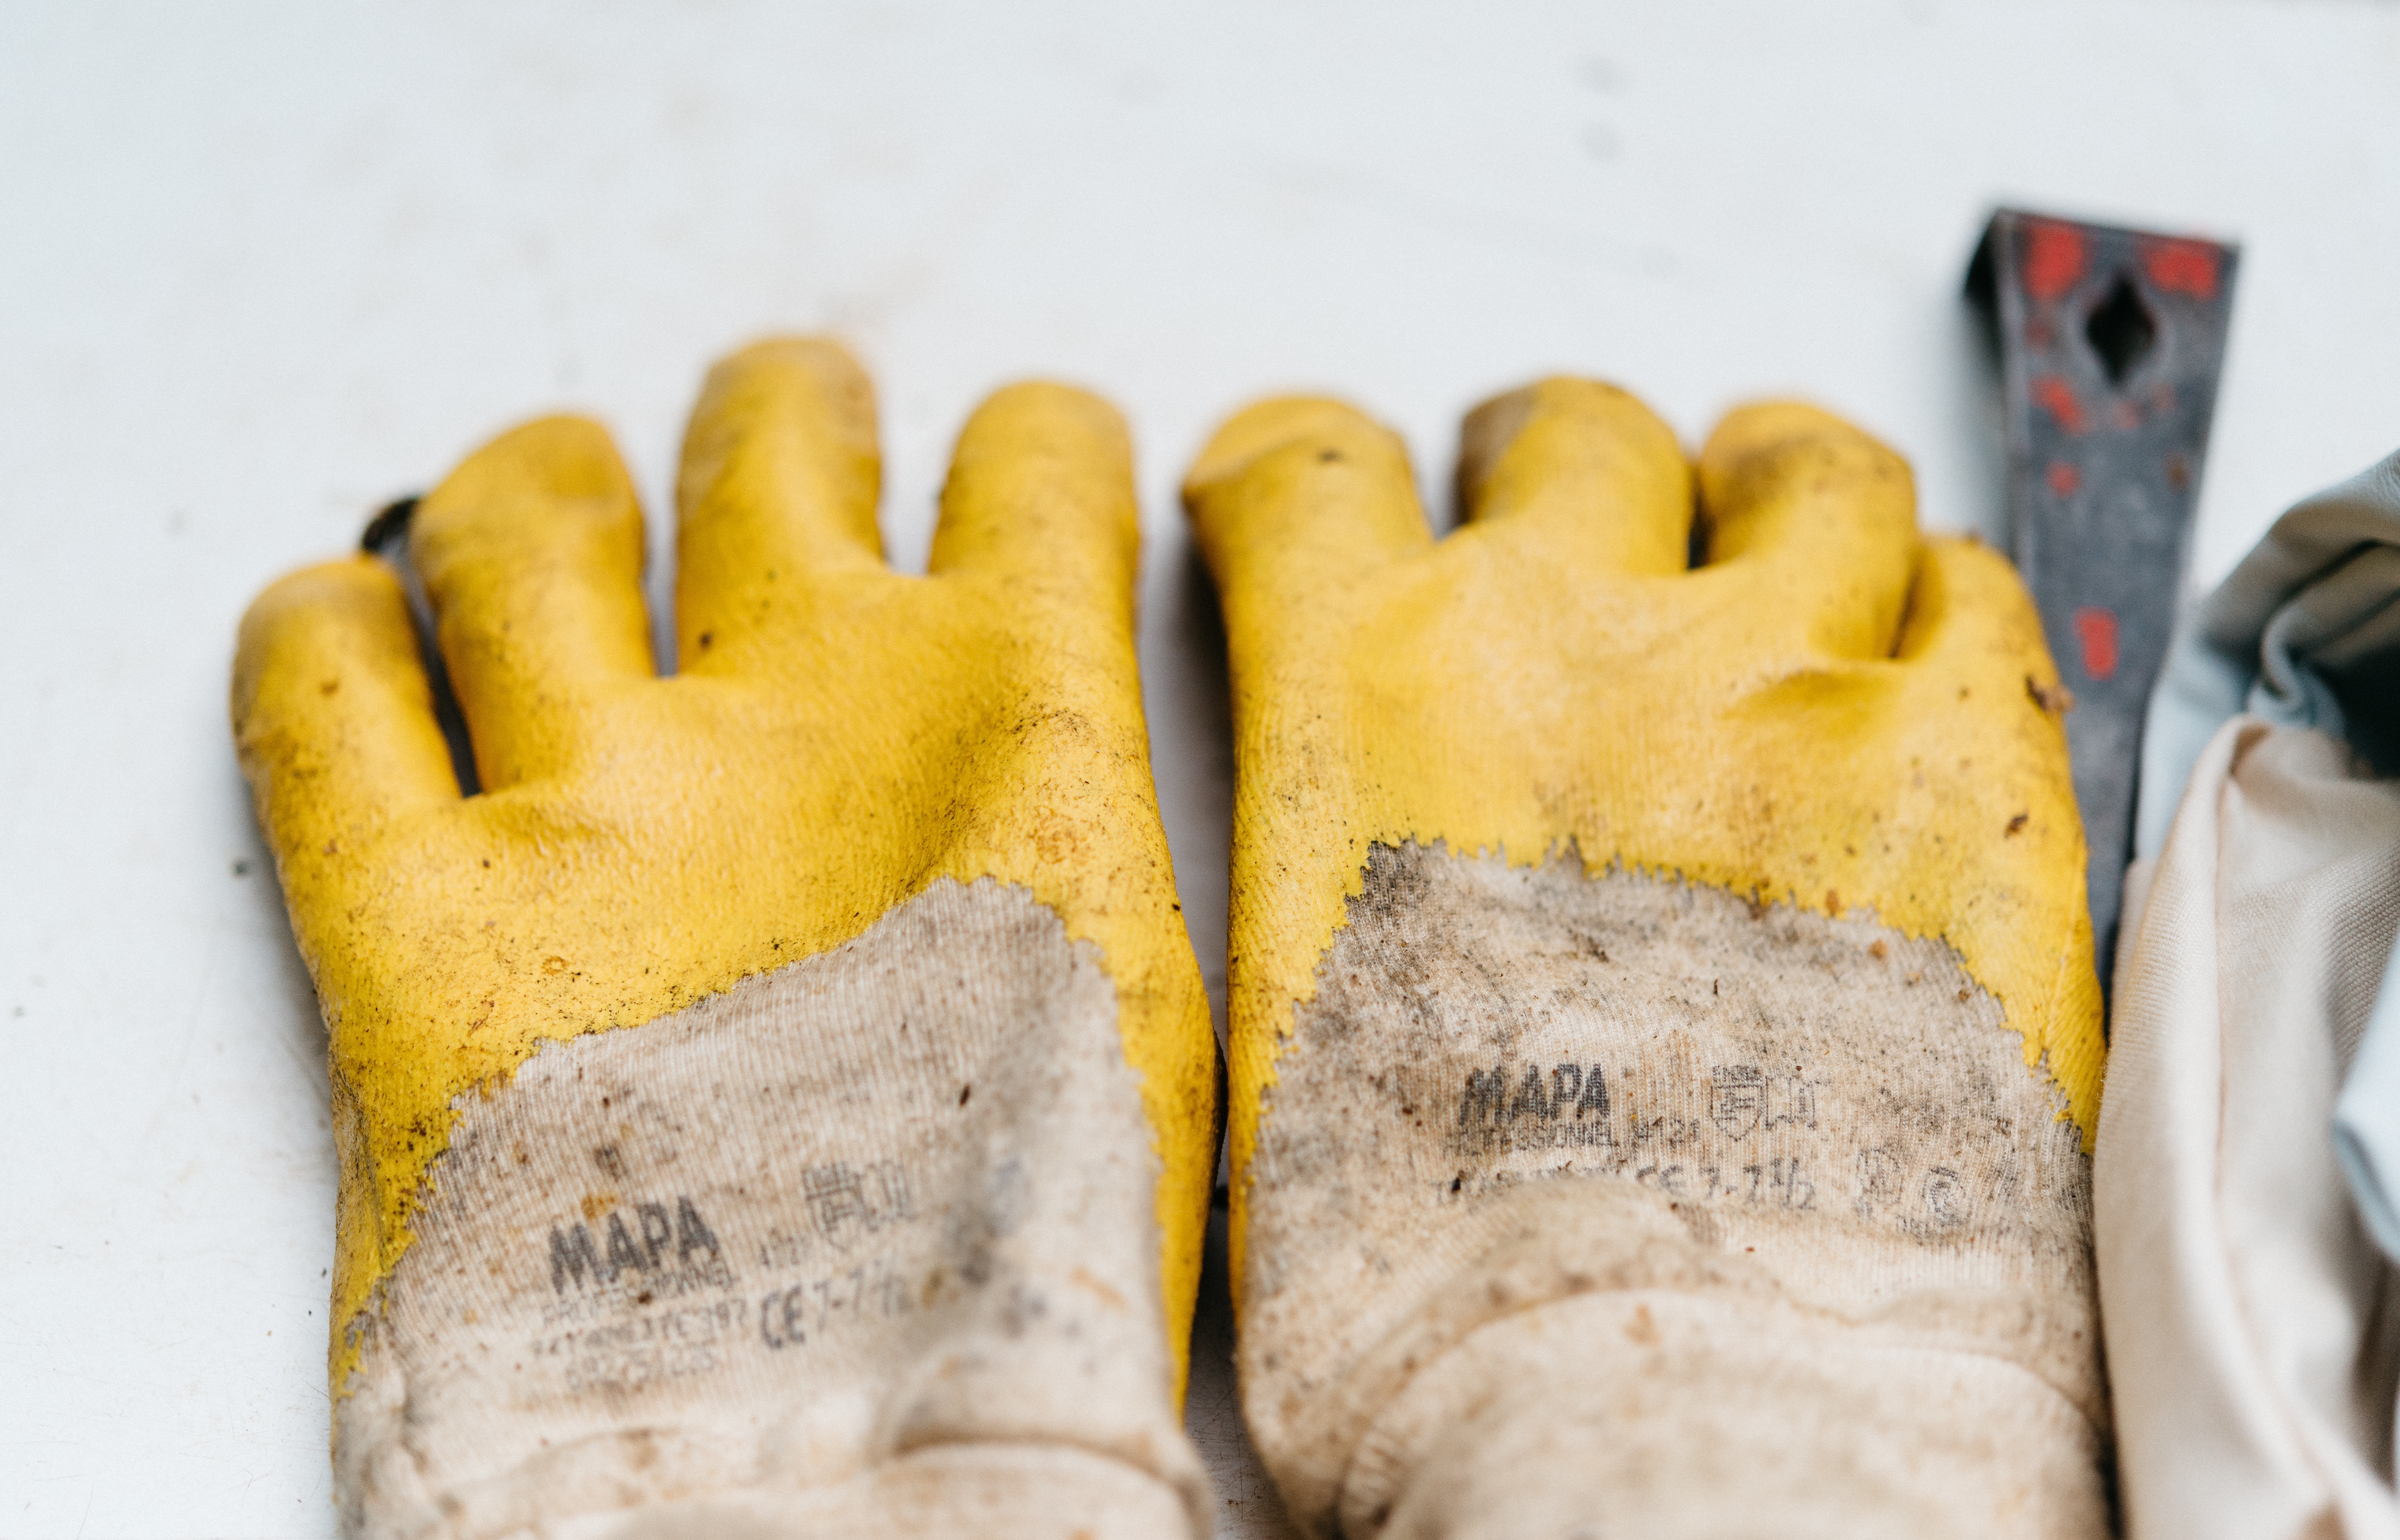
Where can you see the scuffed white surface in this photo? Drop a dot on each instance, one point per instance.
(264, 267)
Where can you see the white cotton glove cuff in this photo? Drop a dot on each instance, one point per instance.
(972, 1492)
(1666, 1414)
(866, 1245)
(1626, 1204)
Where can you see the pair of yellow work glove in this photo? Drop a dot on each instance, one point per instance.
(782, 1102)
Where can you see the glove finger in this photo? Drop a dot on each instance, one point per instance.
(1040, 493)
(532, 555)
(1583, 473)
(1968, 613)
(1825, 516)
(1974, 642)
(779, 482)
(1292, 494)
(333, 717)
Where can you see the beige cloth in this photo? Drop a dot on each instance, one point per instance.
(2250, 1322)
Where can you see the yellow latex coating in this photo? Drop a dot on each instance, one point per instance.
(1830, 710)
(840, 737)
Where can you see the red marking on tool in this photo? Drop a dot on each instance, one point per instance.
(2056, 397)
(2124, 417)
(2064, 479)
(2053, 258)
(2096, 629)
(2181, 266)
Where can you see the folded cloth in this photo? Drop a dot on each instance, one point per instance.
(2253, 1328)
(2305, 633)
(2247, 1317)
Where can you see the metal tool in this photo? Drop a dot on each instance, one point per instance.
(2109, 342)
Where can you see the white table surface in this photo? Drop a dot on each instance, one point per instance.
(262, 269)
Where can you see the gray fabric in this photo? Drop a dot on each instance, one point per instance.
(2306, 633)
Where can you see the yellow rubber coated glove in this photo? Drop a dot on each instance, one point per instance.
(780, 1101)
(1665, 1039)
